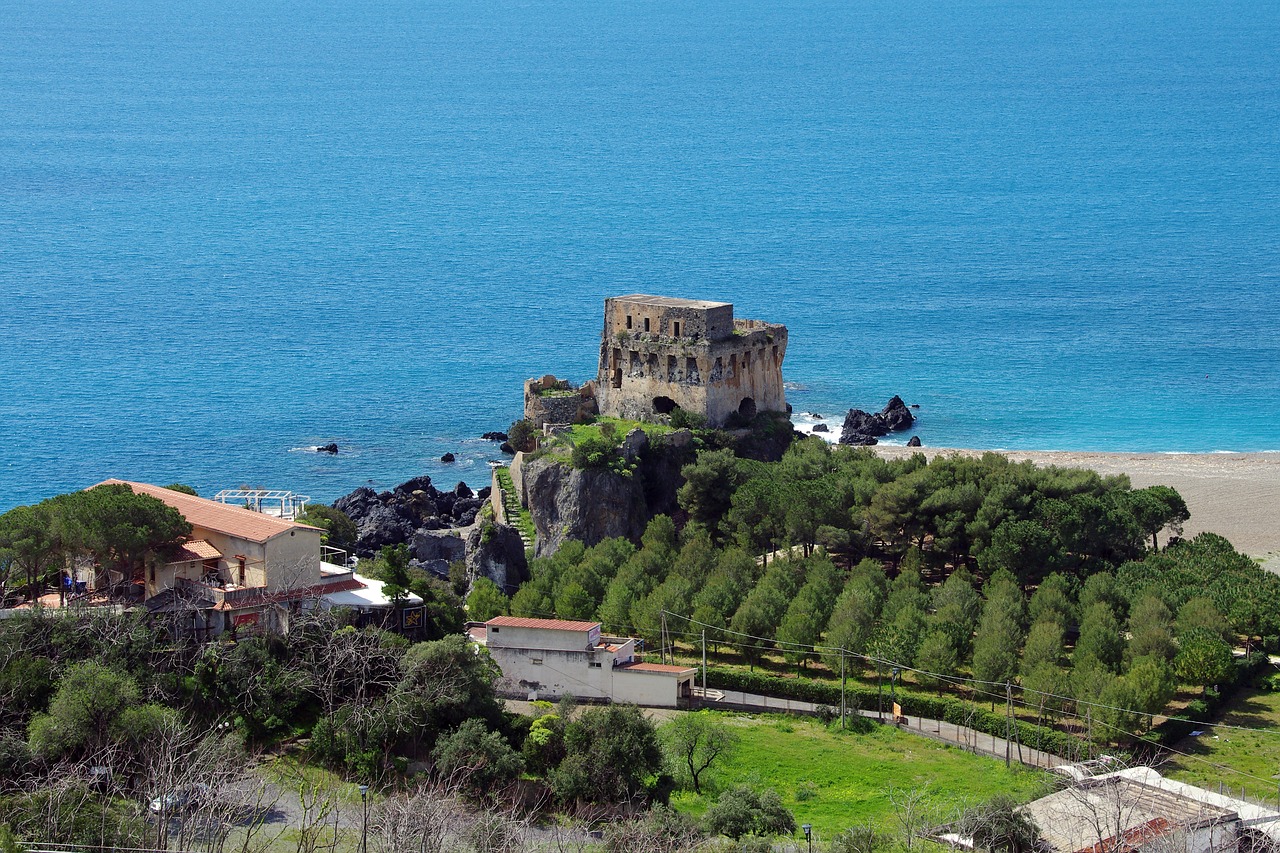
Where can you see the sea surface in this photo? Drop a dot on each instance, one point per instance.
(233, 230)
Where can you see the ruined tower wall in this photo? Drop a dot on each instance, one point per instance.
(658, 353)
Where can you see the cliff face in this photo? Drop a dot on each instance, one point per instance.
(496, 552)
(588, 505)
(594, 504)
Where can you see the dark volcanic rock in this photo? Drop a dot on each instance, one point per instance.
(861, 428)
(495, 551)
(507, 448)
(330, 448)
(396, 517)
(914, 442)
(494, 436)
(428, 545)
(821, 428)
(448, 457)
(864, 428)
(896, 415)
(417, 484)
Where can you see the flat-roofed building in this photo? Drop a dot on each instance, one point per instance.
(549, 658)
(1136, 810)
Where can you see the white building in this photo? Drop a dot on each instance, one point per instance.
(1138, 810)
(548, 658)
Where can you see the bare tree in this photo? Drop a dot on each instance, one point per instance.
(911, 808)
(417, 821)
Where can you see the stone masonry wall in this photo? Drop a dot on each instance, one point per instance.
(645, 375)
(555, 401)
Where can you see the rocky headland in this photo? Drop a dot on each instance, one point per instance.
(864, 428)
(416, 506)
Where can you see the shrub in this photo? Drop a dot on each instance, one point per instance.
(595, 451)
(476, 758)
(741, 811)
(685, 419)
(521, 435)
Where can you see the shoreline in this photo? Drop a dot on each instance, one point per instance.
(1236, 495)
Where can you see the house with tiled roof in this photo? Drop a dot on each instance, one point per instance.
(243, 570)
(549, 658)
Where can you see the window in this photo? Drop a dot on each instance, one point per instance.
(677, 325)
(646, 324)
(536, 661)
(495, 629)
(628, 321)
(594, 664)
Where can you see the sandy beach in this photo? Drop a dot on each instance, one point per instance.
(1236, 495)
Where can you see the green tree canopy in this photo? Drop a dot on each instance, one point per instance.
(486, 601)
(695, 742)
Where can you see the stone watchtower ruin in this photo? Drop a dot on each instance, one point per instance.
(658, 354)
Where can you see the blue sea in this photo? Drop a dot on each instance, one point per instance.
(233, 230)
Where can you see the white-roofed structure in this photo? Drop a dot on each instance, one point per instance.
(542, 658)
(1136, 810)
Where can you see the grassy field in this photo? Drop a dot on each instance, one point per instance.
(621, 427)
(835, 779)
(1254, 753)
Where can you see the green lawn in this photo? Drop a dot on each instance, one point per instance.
(834, 780)
(1255, 753)
(621, 426)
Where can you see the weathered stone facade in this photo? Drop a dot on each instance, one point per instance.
(555, 401)
(659, 353)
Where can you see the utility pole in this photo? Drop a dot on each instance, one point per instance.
(1008, 725)
(663, 641)
(842, 683)
(704, 664)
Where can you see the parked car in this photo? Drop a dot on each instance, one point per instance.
(180, 799)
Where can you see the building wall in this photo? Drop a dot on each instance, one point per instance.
(566, 404)
(293, 559)
(551, 673)
(714, 378)
(506, 636)
(648, 688)
(231, 546)
(624, 316)
(160, 576)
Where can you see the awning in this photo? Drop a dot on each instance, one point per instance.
(195, 551)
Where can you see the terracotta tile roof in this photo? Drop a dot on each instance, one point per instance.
(224, 518)
(637, 666)
(547, 624)
(195, 550)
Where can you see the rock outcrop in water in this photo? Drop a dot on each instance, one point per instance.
(394, 517)
(864, 428)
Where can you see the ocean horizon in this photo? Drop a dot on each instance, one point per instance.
(234, 231)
